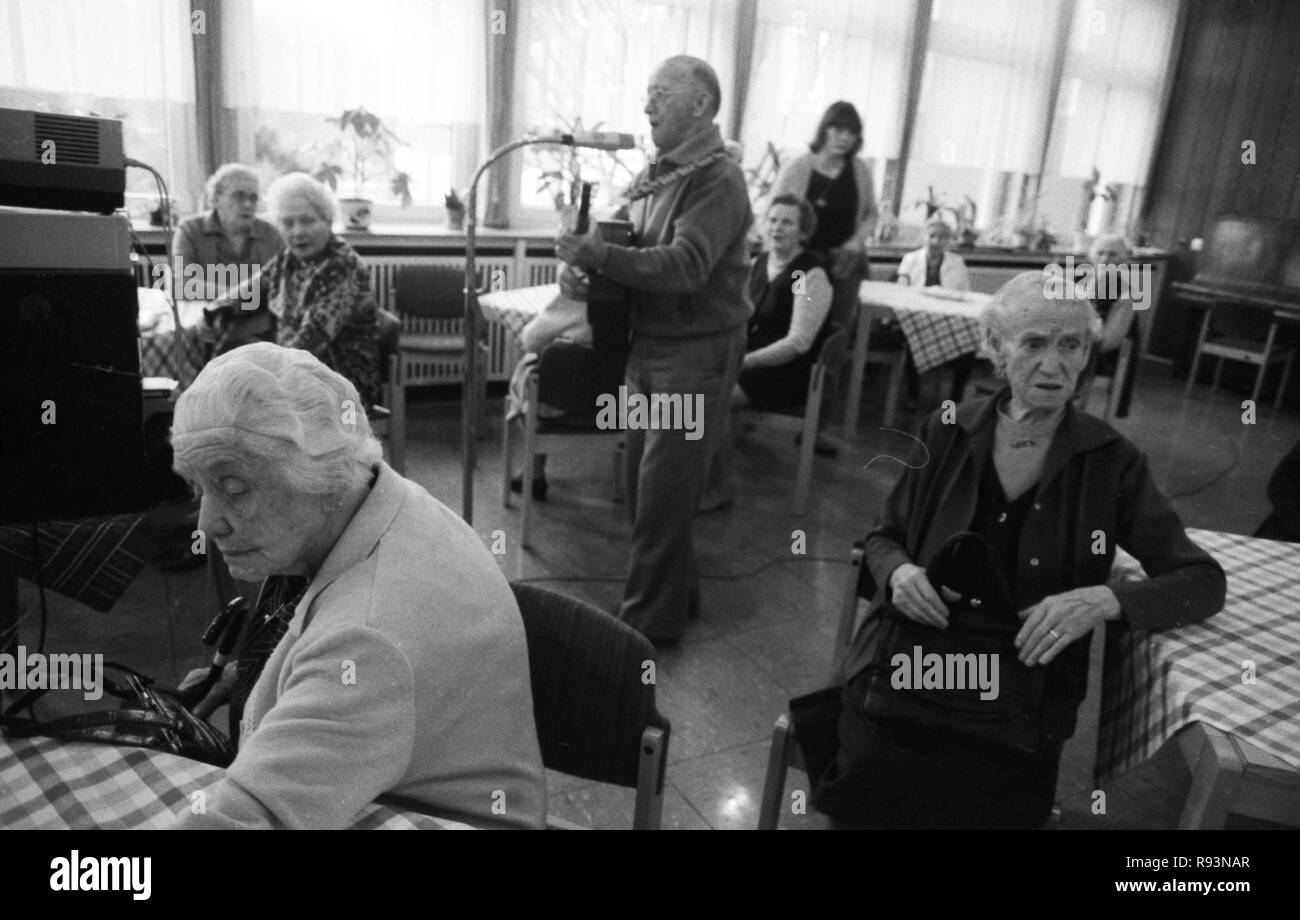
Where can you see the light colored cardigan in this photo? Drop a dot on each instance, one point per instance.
(952, 271)
(797, 173)
(404, 671)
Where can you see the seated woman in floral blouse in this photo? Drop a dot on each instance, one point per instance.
(315, 293)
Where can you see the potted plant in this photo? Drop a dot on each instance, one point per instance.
(364, 151)
(455, 210)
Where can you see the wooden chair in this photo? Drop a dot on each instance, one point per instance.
(536, 428)
(1229, 333)
(429, 300)
(596, 716)
(830, 358)
(784, 752)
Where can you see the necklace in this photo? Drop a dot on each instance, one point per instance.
(1023, 434)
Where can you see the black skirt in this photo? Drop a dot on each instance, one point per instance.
(782, 387)
(893, 776)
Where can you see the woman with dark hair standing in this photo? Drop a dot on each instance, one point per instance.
(838, 183)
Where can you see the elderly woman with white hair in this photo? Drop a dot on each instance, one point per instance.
(231, 234)
(387, 655)
(992, 554)
(314, 295)
(1109, 257)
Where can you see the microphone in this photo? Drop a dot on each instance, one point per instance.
(598, 140)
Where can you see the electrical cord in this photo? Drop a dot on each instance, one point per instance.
(586, 579)
(165, 208)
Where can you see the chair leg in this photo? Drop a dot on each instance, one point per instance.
(808, 442)
(894, 390)
(648, 810)
(778, 759)
(505, 459)
(1264, 364)
(1196, 357)
(530, 450)
(1286, 378)
(620, 491)
(397, 422)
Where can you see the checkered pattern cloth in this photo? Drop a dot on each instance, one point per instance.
(91, 560)
(157, 358)
(515, 308)
(1160, 682)
(53, 785)
(935, 339)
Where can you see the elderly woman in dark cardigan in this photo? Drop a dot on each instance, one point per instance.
(1054, 492)
(314, 294)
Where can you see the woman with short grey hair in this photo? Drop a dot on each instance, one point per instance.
(315, 294)
(231, 235)
(1019, 501)
(387, 654)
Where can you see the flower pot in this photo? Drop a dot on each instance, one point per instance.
(455, 218)
(356, 212)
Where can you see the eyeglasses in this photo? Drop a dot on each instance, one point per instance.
(658, 94)
(242, 197)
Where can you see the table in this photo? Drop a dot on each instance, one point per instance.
(939, 324)
(54, 785)
(158, 333)
(515, 308)
(1228, 688)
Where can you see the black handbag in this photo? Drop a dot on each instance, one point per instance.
(965, 680)
(149, 717)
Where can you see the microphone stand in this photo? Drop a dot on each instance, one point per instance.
(469, 396)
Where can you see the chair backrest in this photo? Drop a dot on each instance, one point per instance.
(591, 701)
(835, 348)
(430, 290)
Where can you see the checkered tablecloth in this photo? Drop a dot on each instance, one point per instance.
(157, 337)
(515, 308)
(940, 325)
(53, 785)
(91, 560)
(1239, 671)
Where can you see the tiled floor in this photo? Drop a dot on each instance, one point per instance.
(768, 615)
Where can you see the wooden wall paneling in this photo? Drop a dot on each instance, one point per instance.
(1275, 60)
(1230, 175)
(1282, 100)
(1216, 54)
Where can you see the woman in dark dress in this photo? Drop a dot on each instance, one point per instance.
(1037, 481)
(838, 183)
(791, 296)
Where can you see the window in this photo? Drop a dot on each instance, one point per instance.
(417, 64)
(590, 60)
(1108, 113)
(807, 56)
(127, 59)
(982, 116)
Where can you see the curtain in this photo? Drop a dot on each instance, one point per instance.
(127, 59)
(807, 56)
(1109, 108)
(417, 64)
(591, 60)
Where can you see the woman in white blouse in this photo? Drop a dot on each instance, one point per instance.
(933, 264)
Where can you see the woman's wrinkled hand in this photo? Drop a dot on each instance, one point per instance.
(1055, 622)
(912, 593)
(217, 696)
(574, 283)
